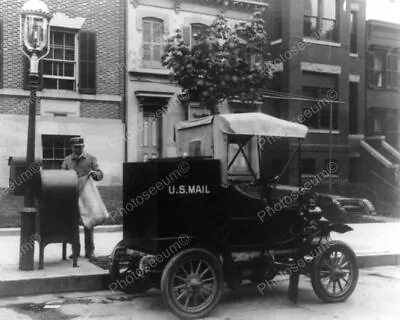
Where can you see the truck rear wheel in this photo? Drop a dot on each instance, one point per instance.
(192, 283)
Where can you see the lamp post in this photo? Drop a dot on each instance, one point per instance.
(34, 38)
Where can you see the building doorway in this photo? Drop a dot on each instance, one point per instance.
(150, 135)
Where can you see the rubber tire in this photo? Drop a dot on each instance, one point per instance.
(175, 262)
(315, 281)
(140, 286)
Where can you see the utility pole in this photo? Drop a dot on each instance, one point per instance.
(330, 142)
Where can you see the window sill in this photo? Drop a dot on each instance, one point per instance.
(354, 55)
(321, 42)
(275, 42)
(156, 71)
(323, 131)
(61, 94)
(370, 86)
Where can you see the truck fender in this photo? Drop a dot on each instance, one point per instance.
(337, 227)
(326, 230)
(120, 244)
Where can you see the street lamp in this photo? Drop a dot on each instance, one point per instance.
(34, 38)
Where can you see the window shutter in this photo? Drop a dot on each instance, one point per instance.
(87, 62)
(1, 54)
(371, 69)
(186, 35)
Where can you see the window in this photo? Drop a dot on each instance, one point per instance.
(384, 69)
(195, 148)
(353, 174)
(278, 28)
(308, 166)
(392, 71)
(311, 17)
(59, 70)
(353, 32)
(378, 75)
(353, 106)
(55, 149)
(317, 113)
(320, 19)
(59, 64)
(197, 29)
(152, 42)
(276, 166)
(377, 125)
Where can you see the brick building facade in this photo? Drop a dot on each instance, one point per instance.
(383, 80)
(381, 147)
(82, 87)
(321, 45)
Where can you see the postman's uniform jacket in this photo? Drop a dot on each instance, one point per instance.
(83, 165)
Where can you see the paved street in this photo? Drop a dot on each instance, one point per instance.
(376, 297)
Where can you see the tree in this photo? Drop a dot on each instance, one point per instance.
(225, 62)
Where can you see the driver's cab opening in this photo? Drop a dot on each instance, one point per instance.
(236, 141)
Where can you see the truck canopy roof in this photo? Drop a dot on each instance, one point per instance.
(251, 123)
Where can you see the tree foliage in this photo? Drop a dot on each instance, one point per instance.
(225, 62)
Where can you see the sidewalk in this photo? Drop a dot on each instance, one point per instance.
(57, 275)
(375, 244)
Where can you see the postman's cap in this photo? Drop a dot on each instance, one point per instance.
(76, 141)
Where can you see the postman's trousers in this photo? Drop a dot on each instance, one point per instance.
(89, 243)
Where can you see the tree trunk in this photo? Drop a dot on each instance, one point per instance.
(212, 105)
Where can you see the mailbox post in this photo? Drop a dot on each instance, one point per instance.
(34, 38)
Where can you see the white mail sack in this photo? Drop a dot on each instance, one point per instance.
(91, 206)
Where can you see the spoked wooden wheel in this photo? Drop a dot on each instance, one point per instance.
(334, 275)
(192, 283)
(124, 273)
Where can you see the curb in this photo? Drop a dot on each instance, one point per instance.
(101, 281)
(98, 229)
(378, 259)
(38, 286)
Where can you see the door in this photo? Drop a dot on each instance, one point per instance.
(151, 136)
